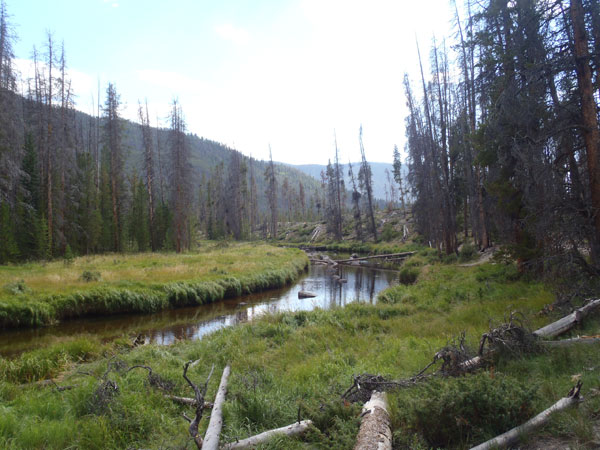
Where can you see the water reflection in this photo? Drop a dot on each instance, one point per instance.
(363, 284)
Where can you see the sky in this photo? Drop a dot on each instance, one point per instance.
(248, 73)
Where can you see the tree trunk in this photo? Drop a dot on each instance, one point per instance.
(375, 431)
(591, 133)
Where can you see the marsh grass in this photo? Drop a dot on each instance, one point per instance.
(287, 365)
(142, 282)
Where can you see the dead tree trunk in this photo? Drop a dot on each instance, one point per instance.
(511, 437)
(251, 442)
(375, 431)
(566, 323)
(211, 438)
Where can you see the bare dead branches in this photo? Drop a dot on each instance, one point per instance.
(199, 394)
(512, 336)
(154, 379)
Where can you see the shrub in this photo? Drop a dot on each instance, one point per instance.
(451, 412)
(467, 252)
(408, 275)
(90, 275)
(388, 233)
(16, 287)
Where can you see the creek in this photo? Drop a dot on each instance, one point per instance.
(165, 327)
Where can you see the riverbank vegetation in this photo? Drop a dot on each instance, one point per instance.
(298, 364)
(37, 294)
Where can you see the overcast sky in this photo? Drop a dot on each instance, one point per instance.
(248, 73)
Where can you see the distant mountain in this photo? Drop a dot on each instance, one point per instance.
(377, 168)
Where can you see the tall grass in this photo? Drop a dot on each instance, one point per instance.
(287, 365)
(191, 279)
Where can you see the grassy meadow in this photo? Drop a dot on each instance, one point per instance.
(298, 364)
(42, 293)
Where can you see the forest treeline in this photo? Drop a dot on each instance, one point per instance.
(503, 137)
(74, 184)
(503, 148)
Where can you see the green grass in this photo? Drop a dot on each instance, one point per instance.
(38, 294)
(285, 365)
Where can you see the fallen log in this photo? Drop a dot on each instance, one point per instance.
(375, 431)
(551, 330)
(187, 401)
(566, 323)
(213, 432)
(251, 442)
(577, 340)
(364, 258)
(511, 437)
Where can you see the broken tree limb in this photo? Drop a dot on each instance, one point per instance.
(511, 437)
(213, 432)
(390, 255)
(251, 442)
(566, 323)
(375, 431)
(199, 397)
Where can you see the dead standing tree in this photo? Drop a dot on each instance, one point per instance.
(180, 179)
(272, 195)
(366, 183)
(149, 168)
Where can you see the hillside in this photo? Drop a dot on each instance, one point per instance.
(378, 169)
(206, 155)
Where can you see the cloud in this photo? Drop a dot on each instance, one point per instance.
(231, 33)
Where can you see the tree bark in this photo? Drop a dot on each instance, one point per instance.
(251, 442)
(375, 431)
(211, 438)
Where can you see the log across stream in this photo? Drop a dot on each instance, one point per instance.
(193, 323)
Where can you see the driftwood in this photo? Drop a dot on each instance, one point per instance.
(251, 442)
(213, 432)
(375, 431)
(511, 437)
(364, 258)
(566, 323)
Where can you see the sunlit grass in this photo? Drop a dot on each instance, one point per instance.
(144, 282)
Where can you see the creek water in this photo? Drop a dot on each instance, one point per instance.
(166, 327)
